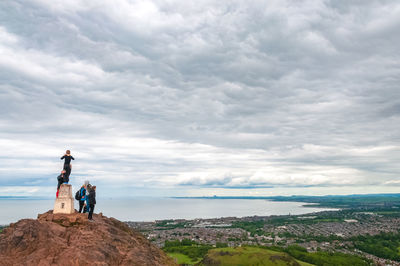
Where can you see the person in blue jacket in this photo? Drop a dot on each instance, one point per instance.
(82, 193)
(88, 188)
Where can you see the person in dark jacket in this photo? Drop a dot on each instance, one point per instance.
(92, 201)
(67, 164)
(82, 193)
(60, 180)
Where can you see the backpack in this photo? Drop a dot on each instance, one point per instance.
(78, 195)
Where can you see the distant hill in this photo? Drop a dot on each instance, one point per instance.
(331, 201)
(249, 256)
(62, 239)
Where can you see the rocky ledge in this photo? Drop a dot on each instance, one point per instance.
(71, 239)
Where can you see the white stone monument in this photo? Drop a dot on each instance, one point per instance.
(65, 202)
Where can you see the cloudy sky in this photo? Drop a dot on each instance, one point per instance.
(197, 98)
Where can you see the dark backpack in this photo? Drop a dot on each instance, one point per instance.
(78, 195)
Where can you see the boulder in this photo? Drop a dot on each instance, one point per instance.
(71, 239)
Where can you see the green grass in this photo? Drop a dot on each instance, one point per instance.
(302, 263)
(182, 258)
(249, 256)
(193, 252)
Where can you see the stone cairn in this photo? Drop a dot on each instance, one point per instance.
(65, 202)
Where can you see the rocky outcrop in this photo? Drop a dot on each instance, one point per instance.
(71, 239)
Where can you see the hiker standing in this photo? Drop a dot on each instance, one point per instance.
(88, 188)
(67, 164)
(82, 194)
(92, 201)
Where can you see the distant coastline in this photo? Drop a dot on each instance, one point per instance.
(292, 196)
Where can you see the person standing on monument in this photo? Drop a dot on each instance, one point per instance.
(67, 164)
(92, 202)
(60, 180)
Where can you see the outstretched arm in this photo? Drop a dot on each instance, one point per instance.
(62, 157)
(72, 158)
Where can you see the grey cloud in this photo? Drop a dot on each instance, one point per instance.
(241, 76)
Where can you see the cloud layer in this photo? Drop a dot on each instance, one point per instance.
(172, 97)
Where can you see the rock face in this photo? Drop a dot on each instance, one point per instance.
(70, 239)
(65, 202)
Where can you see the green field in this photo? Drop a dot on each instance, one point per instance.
(249, 256)
(183, 259)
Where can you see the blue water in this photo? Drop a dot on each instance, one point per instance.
(150, 209)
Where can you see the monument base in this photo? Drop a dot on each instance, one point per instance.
(65, 202)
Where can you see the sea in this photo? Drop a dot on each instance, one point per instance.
(151, 209)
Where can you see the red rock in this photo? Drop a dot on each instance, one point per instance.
(49, 217)
(70, 239)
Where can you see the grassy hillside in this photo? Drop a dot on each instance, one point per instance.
(183, 259)
(187, 252)
(249, 256)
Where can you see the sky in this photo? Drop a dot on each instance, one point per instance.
(201, 98)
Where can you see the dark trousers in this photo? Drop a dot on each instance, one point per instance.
(81, 203)
(60, 181)
(91, 209)
(67, 168)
